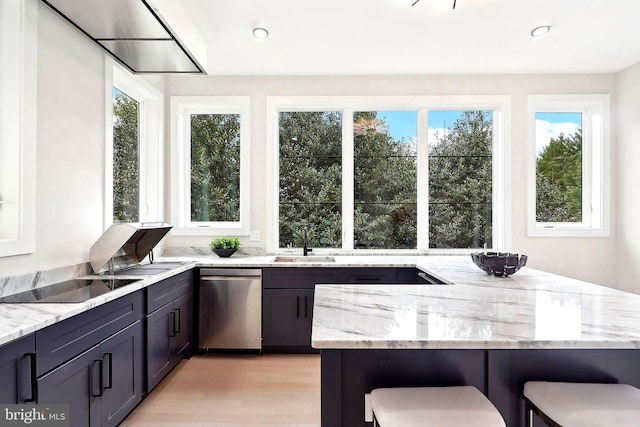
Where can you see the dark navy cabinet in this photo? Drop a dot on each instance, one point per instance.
(94, 362)
(77, 384)
(287, 299)
(168, 325)
(101, 362)
(101, 385)
(123, 374)
(65, 340)
(368, 275)
(17, 370)
(287, 306)
(288, 317)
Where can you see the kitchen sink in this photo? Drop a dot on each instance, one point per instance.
(302, 259)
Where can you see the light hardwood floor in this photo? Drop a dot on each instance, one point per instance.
(235, 391)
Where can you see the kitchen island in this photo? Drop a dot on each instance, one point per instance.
(493, 333)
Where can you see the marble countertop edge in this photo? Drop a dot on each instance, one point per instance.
(471, 345)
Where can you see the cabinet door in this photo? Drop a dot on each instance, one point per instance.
(183, 310)
(123, 374)
(17, 370)
(159, 354)
(78, 384)
(282, 324)
(307, 316)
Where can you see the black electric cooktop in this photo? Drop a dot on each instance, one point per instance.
(76, 290)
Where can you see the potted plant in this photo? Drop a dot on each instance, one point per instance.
(224, 246)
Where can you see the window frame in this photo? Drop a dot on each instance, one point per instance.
(595, 110)
(18, 108)
(181, 109)
(499, 104)
(150, 143)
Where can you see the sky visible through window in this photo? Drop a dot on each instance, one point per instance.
(403, 124)
(550, 125)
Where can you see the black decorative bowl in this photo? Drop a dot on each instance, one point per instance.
(224, 253)
(499, 263)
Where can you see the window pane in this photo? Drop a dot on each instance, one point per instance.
(311, 178)
(385, 171)
(460, 172)
(215, 167)
(126, 165)
(558, 139)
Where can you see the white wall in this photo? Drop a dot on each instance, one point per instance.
(70, 148)
(627, 264)
(580, 258)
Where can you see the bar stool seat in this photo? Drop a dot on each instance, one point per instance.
(463, 406)
(583, 404)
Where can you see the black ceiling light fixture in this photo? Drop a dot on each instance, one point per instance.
(540, 31)
(453, 3)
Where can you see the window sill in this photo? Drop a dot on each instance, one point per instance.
(205, 230)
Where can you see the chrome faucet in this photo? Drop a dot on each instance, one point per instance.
(305, 248)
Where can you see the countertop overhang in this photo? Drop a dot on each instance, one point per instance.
(528, 310)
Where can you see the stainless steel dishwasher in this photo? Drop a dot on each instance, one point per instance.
(230, 315)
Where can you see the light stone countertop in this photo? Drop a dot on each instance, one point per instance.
(17, 320)
(20, 319)
(478, 310)
(528, 310)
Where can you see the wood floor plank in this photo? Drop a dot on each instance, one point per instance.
(235, 391)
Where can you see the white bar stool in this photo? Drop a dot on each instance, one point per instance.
(561, 404)
(463, 406)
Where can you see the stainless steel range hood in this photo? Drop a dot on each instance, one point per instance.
(146, 36)
(126, 244)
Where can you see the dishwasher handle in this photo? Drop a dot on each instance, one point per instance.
(228, 278)
(232, 272)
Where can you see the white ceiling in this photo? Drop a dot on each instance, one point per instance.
(373, 37)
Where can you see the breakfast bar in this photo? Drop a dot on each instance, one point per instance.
(494, 333)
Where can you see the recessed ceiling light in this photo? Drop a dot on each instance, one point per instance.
(540, 31)
(260, 33)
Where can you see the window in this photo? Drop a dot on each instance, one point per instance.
(134, 178)
(460, 179)
(126, 162)
(215, 167)
(18, 108)
(210, 160)
(568, 158)
(311, 178)
(385, 177)
(388, 173)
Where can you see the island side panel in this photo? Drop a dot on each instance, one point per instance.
(360, 371)
(331, 387)
(508, 370)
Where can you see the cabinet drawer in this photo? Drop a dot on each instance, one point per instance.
(62, 341)
(165, 291)
(368, 275)
(298, 277)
